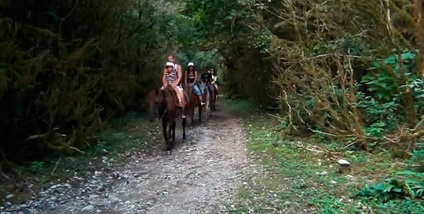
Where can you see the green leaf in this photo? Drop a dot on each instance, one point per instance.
(390, 60)
(406, 172)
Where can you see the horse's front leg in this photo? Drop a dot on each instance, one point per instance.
(214, 104)
(184, 123)
(165, 129)
(192, 115)
(173, 131)
(169, 137)
(200, 113)
(213, 100)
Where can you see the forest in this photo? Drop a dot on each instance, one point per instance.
(347, 71)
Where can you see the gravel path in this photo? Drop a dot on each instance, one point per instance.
(201, 176)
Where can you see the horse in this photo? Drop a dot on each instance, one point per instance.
(163, 104)
(193, 102)
(213, 96)
(207, 97)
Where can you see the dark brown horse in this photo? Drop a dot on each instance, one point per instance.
(208, 97)
(193, 102)
(163, 105)
(213, 96)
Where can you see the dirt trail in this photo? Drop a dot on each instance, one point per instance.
(199, 177)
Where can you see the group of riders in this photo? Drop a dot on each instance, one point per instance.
(174, 76)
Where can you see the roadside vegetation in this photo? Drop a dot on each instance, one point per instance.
(302, 174)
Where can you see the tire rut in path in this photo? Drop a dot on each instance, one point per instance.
(201, 175)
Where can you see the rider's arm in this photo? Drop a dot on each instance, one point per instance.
(195, 77)
(213, 79)
(185, 77)
(180, 74)
(164, 82)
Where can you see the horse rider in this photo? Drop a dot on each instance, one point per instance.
(214, 78)
(206, 77)
(172, 75)
(192, 80)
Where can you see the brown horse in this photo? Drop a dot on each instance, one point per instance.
(163, 105)
(193, 102)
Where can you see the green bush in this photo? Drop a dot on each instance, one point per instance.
(67, 67)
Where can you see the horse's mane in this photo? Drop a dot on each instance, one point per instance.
(169, 95)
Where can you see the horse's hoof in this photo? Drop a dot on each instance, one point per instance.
(169, 152)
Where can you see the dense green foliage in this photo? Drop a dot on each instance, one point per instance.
(347, 70)
(67, 67)
(325, 70)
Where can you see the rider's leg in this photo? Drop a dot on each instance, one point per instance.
(198, 92)
(181, 98)
(180, 101)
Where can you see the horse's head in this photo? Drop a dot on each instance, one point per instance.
(154, 100)
(202, 85)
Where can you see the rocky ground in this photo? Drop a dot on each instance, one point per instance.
(201, 176)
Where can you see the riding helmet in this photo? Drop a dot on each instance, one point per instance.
(169, 64)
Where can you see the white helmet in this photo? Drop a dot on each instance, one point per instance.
(169, 64)
(190, 64)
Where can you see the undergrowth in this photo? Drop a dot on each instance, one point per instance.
(129, 135)
(302, 174)
(240, 107)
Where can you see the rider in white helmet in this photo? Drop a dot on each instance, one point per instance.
(191, 79)
(172, 75)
